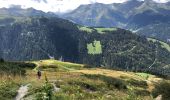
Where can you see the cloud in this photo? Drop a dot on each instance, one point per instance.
(162, 1)
(57, 5)
(45, 1)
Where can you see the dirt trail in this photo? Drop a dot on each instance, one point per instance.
(23, 90)
(56, 89)
(159, 97)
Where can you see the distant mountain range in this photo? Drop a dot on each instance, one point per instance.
(144, 17)
(15, 13)
(19, 12)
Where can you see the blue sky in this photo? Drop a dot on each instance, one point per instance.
(57, 5)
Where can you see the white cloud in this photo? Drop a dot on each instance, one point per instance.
(56, 5)
(162, 1)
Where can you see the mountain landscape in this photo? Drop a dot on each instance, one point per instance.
(35, 38)
(116, 51)
(138, 16)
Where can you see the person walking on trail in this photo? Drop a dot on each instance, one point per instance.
(39, 74)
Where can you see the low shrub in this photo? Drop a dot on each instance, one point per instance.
(162, 89)
(137, 83)
(110, 81)
(15, 68)
(8, 90)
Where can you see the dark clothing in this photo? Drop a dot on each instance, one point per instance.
(39, 74)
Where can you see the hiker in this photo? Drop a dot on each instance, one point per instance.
(39, 74)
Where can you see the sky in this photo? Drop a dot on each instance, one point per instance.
(57, 5)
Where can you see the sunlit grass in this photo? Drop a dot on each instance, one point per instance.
(94, 48)
(46, 64)
(144, 75)
(99, 30)
(103, 30)
(163, 44)
(86, 29)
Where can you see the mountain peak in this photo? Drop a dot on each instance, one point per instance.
(149, 1)
(18, 11)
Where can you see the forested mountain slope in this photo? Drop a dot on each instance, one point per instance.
(47, 37)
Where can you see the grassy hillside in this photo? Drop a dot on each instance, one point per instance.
(70, 81)
(163, 44)
(100, 30)
(58, 65)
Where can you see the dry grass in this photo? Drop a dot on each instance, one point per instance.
(151, 81)
(57, 64)
(65, 80)
(111, 73)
